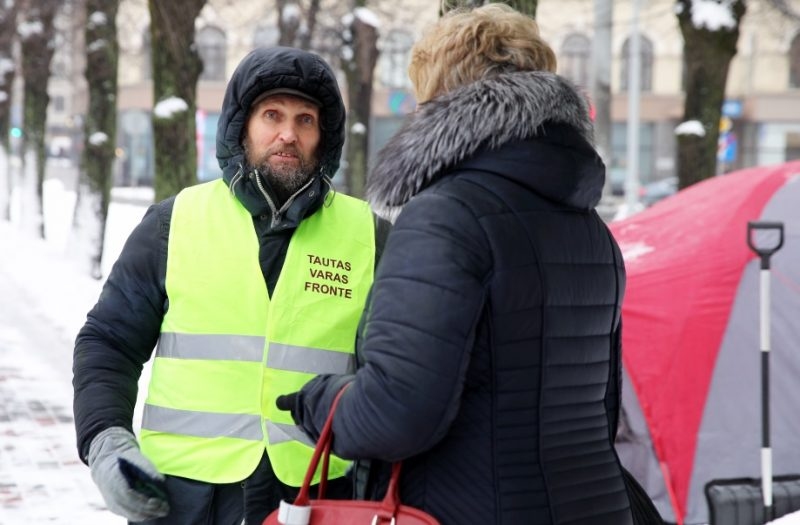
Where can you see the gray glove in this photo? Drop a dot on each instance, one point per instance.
(129, 483)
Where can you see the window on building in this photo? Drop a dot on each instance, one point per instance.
(211, 46)
(59, 69)
(792, 146)
(135, 140)
(394, 58)
(207, 165)
(794, 63)
(266, 36)
(618, 165)
(646, 53)
(573, 61)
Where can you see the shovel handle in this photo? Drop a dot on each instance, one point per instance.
(765, 252)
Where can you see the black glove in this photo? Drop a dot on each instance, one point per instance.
(292, 403)
(305, 404)
(287, 402)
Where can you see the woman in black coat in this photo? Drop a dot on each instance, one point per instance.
(490, 347)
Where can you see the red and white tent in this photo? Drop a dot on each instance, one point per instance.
(691, 395)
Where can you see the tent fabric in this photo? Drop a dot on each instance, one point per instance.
(691, 354)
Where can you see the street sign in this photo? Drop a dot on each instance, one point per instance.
(732, 108)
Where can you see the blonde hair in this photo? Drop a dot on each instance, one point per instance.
(468, 45)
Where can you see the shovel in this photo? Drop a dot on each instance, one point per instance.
(765, 238)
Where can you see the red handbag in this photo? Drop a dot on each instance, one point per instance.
(306, 511)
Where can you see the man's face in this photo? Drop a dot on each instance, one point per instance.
(281, 140)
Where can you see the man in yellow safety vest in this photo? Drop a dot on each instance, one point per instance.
(246, 287)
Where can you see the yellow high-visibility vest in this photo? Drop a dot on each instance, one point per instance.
(227, 350)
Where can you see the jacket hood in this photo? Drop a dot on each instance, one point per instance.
(531, 126)
(265, 69)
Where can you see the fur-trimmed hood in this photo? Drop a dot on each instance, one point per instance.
(531, 126)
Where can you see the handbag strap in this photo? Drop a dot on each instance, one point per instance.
(391, 500)
(323, 479)
(323, 448)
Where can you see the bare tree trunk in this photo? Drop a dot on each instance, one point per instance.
(288, 22)
(311, 24)
(36, 33)
(707, 55)
(94, 190)
(359, 71)
(176, 68)
(8, 24)
(296, 24)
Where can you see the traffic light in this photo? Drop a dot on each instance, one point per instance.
(16, 132)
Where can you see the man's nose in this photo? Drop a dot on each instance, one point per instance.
(288, 133)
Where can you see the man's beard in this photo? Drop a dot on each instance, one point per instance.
(283, 180)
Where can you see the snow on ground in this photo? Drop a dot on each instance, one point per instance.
(788, 519)
(43, 303)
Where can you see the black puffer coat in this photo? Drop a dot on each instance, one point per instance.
(490, 350)
(123, 327)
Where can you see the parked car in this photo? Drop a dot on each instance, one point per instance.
(653, 192)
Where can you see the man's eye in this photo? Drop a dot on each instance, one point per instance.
(307, 120)
(272, 115)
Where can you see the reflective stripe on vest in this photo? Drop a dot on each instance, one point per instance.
(308, 360)
(227, 350)
(205, 424)
(241, 426)
(251, 348)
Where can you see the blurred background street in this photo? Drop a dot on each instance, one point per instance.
(681, 92)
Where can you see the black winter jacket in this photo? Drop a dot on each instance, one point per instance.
(490, 349)
(122, 329)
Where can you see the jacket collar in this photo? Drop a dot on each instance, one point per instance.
(509, 110)
(303, 203)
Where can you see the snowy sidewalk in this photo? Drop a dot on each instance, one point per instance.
(43, 303)
(41, 477)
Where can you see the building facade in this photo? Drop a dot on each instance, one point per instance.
(761, 114)
(761, 123)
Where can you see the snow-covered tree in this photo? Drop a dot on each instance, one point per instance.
(100, 125)
(359, 55)
(36, 32)
(176, 69)
(8, 23)
(296, 22)
(289, 20)
(710, 31)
